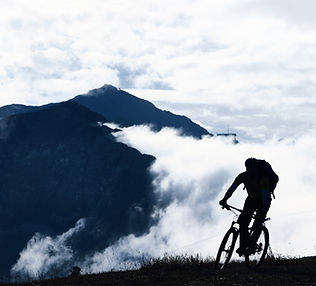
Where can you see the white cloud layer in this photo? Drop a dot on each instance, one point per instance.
(193, 177)
(198, 172)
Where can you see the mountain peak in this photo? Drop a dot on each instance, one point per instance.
(126, 110)
(103, 89)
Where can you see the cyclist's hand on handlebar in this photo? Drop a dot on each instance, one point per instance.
(223, 203)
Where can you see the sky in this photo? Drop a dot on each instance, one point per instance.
(246, 65)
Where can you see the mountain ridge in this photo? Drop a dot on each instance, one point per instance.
(136, 111)
(61, 164)
(123, 109)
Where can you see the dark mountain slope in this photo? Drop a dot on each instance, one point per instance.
(13, 109)
(59, 165)
(125, 109)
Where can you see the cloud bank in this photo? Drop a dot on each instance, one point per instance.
(192, 176)
(196, 173)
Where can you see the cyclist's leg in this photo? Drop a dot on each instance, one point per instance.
(244, 220)
(263, 207)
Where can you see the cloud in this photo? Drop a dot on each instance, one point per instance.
(44, 254)
(234, 50)
(298, 13)
(142, 76)
(257, 118)
(193, 176)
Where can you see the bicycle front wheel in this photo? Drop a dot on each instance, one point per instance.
(226, 248)
(255, 260)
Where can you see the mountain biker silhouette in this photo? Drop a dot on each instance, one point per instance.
(259, 185)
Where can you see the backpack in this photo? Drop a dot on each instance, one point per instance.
(265, 169)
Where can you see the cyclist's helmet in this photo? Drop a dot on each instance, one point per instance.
(251, 163)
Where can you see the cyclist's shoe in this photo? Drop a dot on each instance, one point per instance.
(249, 250)
(252, 249)
(241, 251)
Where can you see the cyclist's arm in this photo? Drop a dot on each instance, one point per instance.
(238, 180)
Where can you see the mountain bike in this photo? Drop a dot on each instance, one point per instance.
(227, 246)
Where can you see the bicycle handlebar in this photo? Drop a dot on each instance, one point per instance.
(228, 207)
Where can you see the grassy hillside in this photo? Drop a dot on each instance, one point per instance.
(194, 271)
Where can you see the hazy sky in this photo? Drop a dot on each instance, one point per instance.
(249, 64)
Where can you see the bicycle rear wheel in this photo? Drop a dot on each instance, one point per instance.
(255, 260)
(226, 248)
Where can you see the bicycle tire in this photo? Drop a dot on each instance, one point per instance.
(226, 248)
(255, 260)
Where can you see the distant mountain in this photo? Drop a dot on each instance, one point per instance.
(60, 164)
(125, 109)
(12, 109)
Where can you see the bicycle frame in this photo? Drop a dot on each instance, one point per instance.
(229, 207)
(228, 244)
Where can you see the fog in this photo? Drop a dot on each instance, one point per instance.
(196, 173)
(44, 254)
(193, 177)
